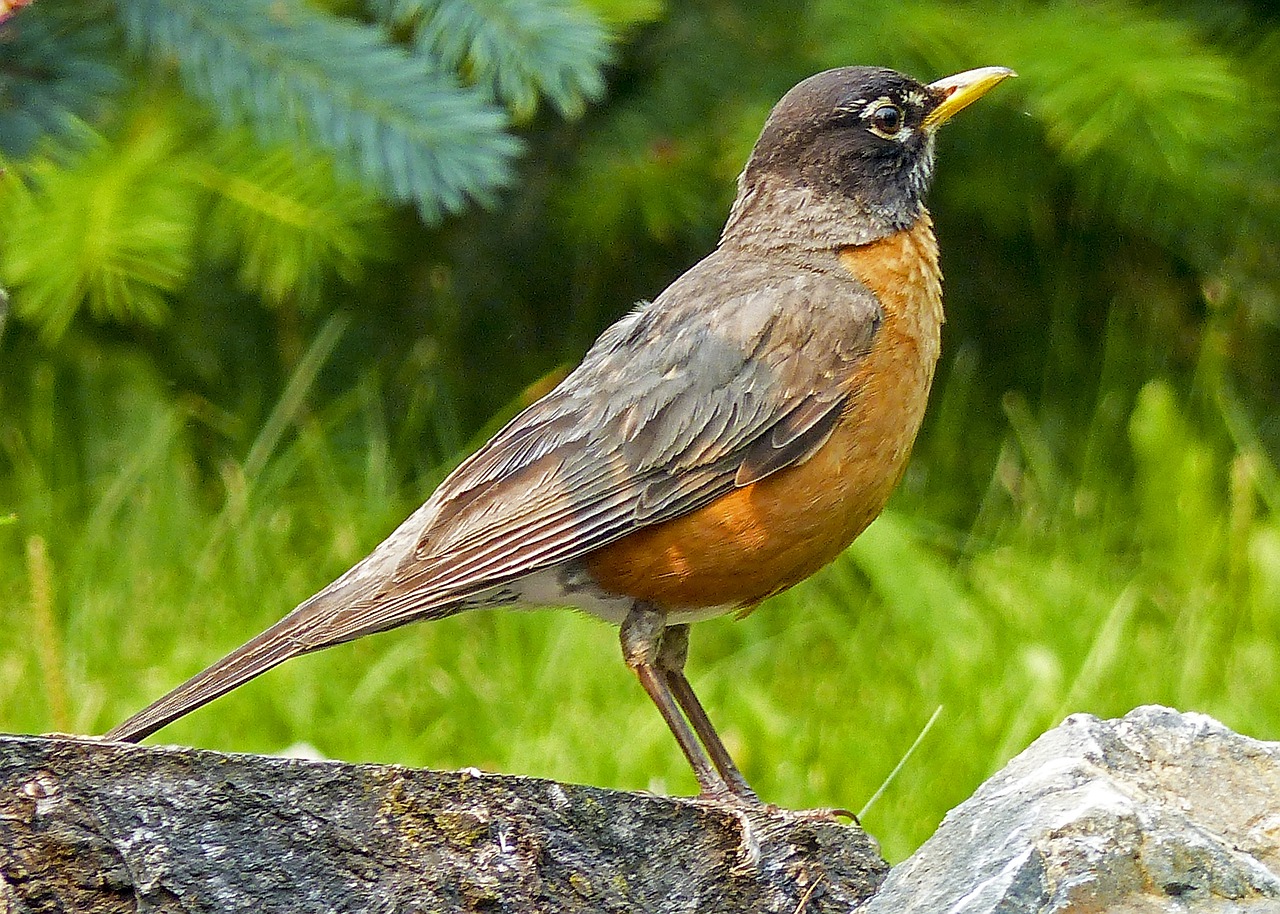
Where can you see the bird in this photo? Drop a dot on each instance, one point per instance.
(716, 445)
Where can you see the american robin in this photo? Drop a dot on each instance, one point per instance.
(716, 445)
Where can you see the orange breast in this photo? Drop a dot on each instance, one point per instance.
(762, 538)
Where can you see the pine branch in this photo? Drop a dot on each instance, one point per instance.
(286, 220)
(293, 74)
(110, 229)
(56, 67)
(517, 49)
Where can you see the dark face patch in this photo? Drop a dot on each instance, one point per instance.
(853, 131)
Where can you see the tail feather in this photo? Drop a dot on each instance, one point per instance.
(308, 628)
(271, 648)
(322, 621)
(360, 602)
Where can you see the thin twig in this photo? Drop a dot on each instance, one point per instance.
(808, 893)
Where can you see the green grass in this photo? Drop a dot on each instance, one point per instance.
(1146, 569)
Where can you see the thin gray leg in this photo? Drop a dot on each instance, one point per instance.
(642, 637)
(671, 659)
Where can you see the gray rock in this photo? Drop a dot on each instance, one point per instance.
(1155, 812)
(88, 826)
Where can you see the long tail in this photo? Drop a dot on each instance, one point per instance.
(332, 616)
(271, 648)
(358, 603)
(326, 619)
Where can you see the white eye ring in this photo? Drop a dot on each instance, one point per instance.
(886, 120)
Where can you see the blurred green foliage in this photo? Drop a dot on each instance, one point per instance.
(246, 340)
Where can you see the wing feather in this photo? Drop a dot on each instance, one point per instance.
(673, 407)
(738, 370)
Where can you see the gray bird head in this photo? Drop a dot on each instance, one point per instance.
(862, 137)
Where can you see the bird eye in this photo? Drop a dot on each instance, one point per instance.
(886, 120)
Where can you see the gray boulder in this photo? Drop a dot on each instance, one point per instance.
(1155, 812)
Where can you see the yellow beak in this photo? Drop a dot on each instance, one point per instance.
(962, 90)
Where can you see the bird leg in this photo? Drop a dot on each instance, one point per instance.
(659, 667)
(671, 659)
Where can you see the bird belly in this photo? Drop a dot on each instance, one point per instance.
(571, 585)
(762, 538)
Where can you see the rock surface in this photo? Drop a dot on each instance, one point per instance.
(1155, 812)
(87, 826)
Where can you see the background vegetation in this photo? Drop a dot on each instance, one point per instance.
(276, 266)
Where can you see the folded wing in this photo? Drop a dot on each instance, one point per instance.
(727, 377)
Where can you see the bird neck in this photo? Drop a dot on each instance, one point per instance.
(775, 215)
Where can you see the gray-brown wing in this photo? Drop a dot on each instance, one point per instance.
(725, 378)
(728, 376)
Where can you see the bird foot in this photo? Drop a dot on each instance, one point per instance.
(738, 796)
(746, 801)
(836, 814)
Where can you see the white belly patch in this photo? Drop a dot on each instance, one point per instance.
(566, 586)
